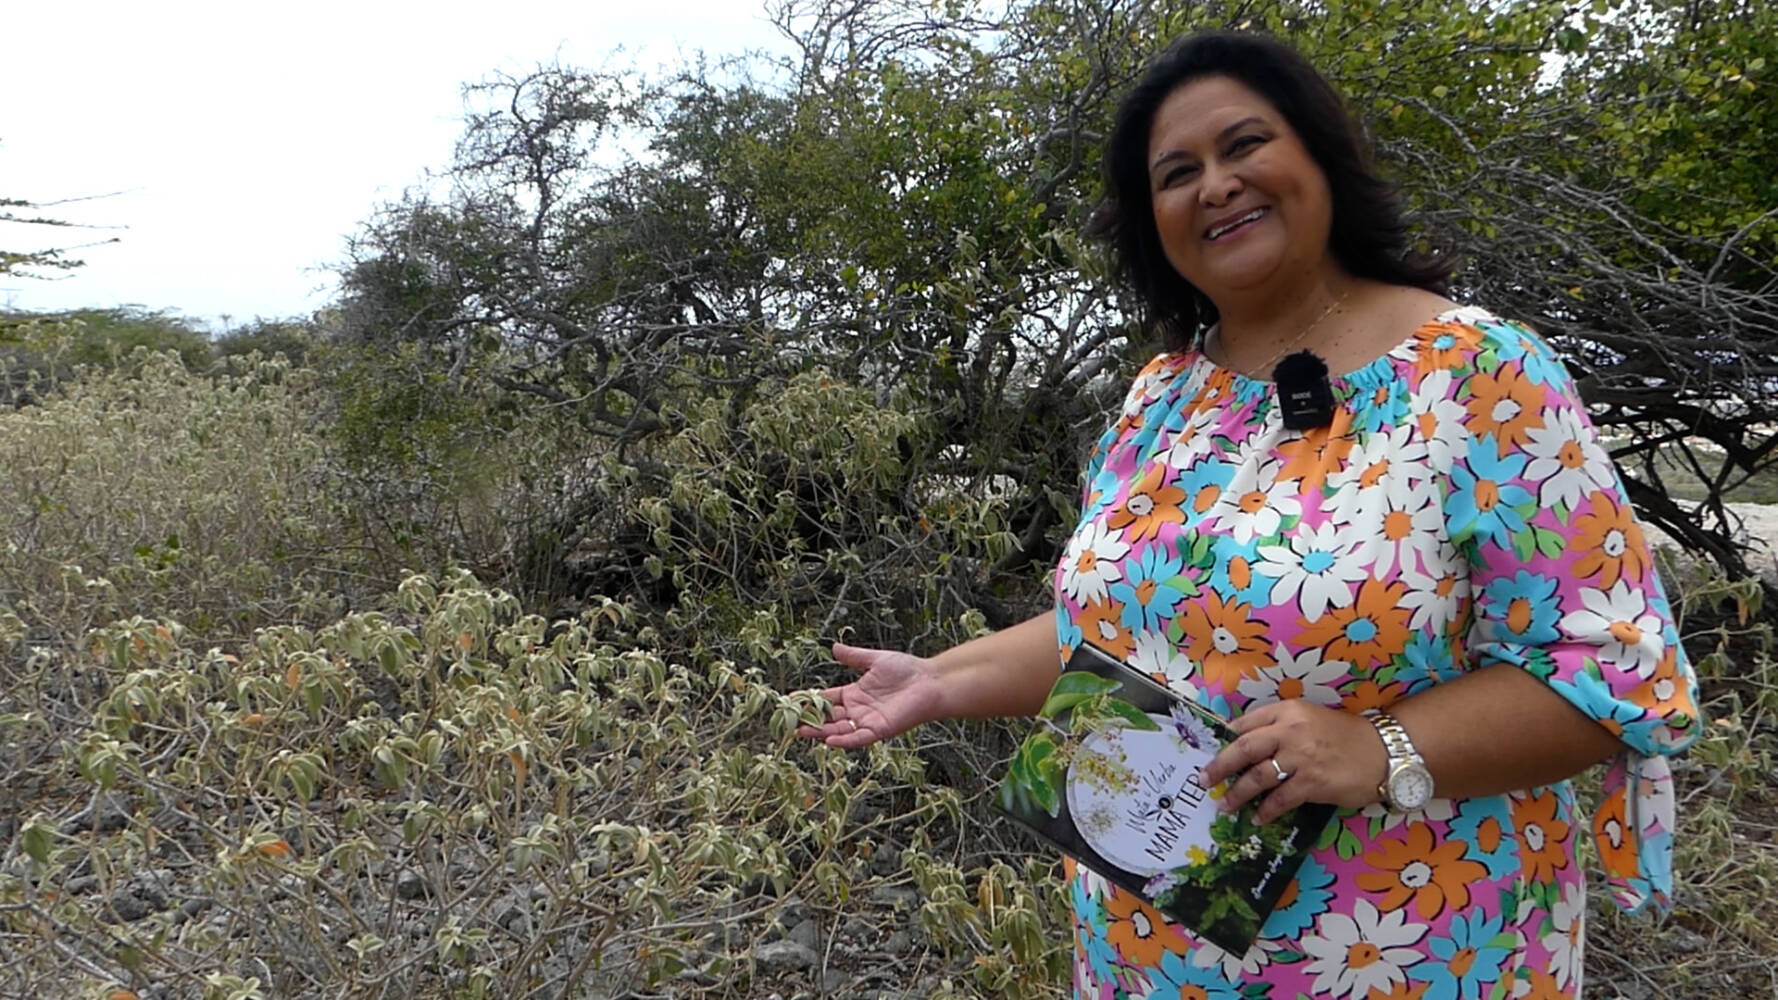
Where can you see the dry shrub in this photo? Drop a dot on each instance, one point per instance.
(148, 488)
(451, 797)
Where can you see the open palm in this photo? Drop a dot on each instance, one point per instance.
(894, 692)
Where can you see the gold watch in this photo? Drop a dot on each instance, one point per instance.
(1407, 785)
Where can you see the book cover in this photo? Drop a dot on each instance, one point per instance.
(1110, 776)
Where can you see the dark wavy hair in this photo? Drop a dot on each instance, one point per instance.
(1369, 235)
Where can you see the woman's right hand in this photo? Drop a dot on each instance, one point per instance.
(895, 692)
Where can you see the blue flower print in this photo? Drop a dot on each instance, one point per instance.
(1208, 473)
(1068, 632)
(1512, 342)
(1147, 591)
(1592, 695)
(1522, 608)
(1482, 495)
(1101, 954)
(1426, 659)
(1464, 963)
(1103, 491)
(1472, 826)
(1175, 974)
(1287, 923)
(1232, 575)
(1249, 391)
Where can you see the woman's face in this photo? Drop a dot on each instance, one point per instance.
(1240, 205)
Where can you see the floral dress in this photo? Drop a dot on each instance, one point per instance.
(1459, 512)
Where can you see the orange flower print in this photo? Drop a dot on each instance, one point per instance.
(1101, 624)
(1139, 933)
(1318, 452)
(1230, 645)
(1611, 834)
(1542, 837)
(1367, 696)
(1151, 504)
(1506, 404)
(1416, 869)
(1370, 631)
(1543, 986)
(1444, 345)
(1665, 693)
(1608, 542)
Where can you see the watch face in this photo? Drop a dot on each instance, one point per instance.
(1410, 787)
(1134, 797)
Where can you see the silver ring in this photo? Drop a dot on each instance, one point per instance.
(854, 723)
(1282, 774)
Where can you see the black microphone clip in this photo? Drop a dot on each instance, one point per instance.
(1304, 393)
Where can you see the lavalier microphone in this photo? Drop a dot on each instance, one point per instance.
(1304, 393)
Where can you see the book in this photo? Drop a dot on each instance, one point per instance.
(1110, 776)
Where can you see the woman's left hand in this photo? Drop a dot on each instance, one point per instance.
(1328, 756)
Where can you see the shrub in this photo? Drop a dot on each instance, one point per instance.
(451, 797)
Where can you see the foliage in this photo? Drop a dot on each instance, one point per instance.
(419, 800)
(149, 486)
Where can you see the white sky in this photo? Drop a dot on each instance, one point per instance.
(248, 139)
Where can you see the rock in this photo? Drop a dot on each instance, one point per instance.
(859, 929)
(785, 956)
(895, 896)
(808, 934)
(107, 813)
(899, 943)
(1685, 940)
(835, 981)
(129, 906)
(790, 911)
(409, 885)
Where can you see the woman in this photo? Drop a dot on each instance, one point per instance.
(1431, 612)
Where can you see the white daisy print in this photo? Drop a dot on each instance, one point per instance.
(1236, 967)
(1363, 952)
(1566, 939)
(1410, 527)
(1441, 419)
(1091, 563)
(1618, 621)
(1301, 675)
(1435, 811)
(1159, 657)
(1193, 442)
(1567, 459)
(1317, 568)
(1433, 600)
(1259, 510)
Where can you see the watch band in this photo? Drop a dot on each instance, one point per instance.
(1396, 744)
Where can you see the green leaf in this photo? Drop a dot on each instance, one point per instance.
(1524, 543)
(1549, 543)
(1348, 844)
(1135, 717)
(1074, 687)
(36, 840)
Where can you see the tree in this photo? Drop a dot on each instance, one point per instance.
(897, 210)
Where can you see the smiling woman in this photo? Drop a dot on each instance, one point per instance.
(1431, 610)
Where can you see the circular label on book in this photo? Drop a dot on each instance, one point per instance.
(1134, 795)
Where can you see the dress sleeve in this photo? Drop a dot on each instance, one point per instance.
(1563, 584)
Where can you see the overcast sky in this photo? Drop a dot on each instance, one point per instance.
(246, 140)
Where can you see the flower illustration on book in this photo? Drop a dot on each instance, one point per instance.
(1191, 730)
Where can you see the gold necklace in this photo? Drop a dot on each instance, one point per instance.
(1269, 362)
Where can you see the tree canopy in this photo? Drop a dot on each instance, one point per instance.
(899, 208)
